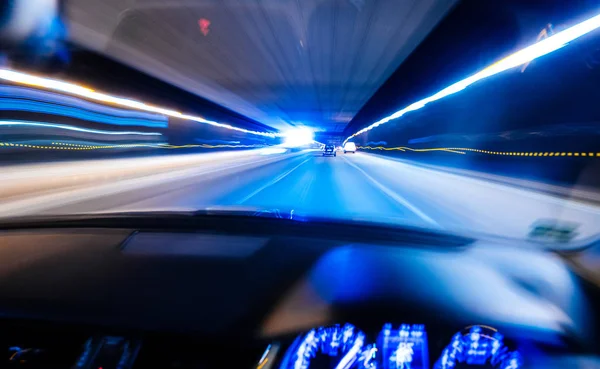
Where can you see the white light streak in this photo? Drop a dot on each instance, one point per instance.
(72, 128)
(521, 57)
(73, 89)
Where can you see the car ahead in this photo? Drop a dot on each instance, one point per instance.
(329, 150)
(349, 147)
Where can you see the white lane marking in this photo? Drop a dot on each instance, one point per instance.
(399, 199)
(271, 183)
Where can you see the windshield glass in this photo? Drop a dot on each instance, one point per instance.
(458, 116)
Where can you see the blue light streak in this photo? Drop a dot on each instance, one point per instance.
(519, 58)
(77, 90)
(73, 112)
(72, 128)
(21, 95)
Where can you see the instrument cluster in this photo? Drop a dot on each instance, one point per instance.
(332, 347)
(401, 347)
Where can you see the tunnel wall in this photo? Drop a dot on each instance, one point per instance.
(541, 121)
(41, 125)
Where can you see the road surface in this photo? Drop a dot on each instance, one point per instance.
(356, 186)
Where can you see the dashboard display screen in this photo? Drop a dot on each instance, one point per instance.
(404, 346)
(334, 347)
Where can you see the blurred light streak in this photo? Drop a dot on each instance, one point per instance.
(30, 99)
(79, 147)
(548, 30)
(72, 128)
(31, 80)
(521, 57)
(74, 112)
(264, 356)
(231, 146)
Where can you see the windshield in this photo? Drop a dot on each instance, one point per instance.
(447, 115)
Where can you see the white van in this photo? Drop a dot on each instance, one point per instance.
(349, 147)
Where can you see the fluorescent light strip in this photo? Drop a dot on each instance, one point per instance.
(521, 57)
(27, 79)
(71, 128)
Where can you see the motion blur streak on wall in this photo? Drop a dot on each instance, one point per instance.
(13, 124)
(21, 99)
(33, 118)
(39, 112)
(88, 93)
(41, 145)
(40, 125)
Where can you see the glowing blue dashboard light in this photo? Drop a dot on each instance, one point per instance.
(344, 343)
(264, 355)
(403, 348)
(417, 330)
(368, 356)
(521, 57)
(479, 346)
(352, 354)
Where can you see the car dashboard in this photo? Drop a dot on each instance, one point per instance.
(336, 346)
(272, 294)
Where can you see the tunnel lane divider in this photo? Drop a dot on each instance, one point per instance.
(465, 150)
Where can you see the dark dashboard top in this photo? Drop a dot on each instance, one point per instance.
(273, 223)
(236, 278)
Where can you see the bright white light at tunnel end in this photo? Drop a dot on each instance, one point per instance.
(297, 137)
(516, 59)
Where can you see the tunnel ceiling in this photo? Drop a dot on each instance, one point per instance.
(279, 62)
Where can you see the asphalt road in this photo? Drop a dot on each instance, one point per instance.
(357, 186)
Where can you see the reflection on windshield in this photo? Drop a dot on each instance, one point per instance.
(503, 145)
